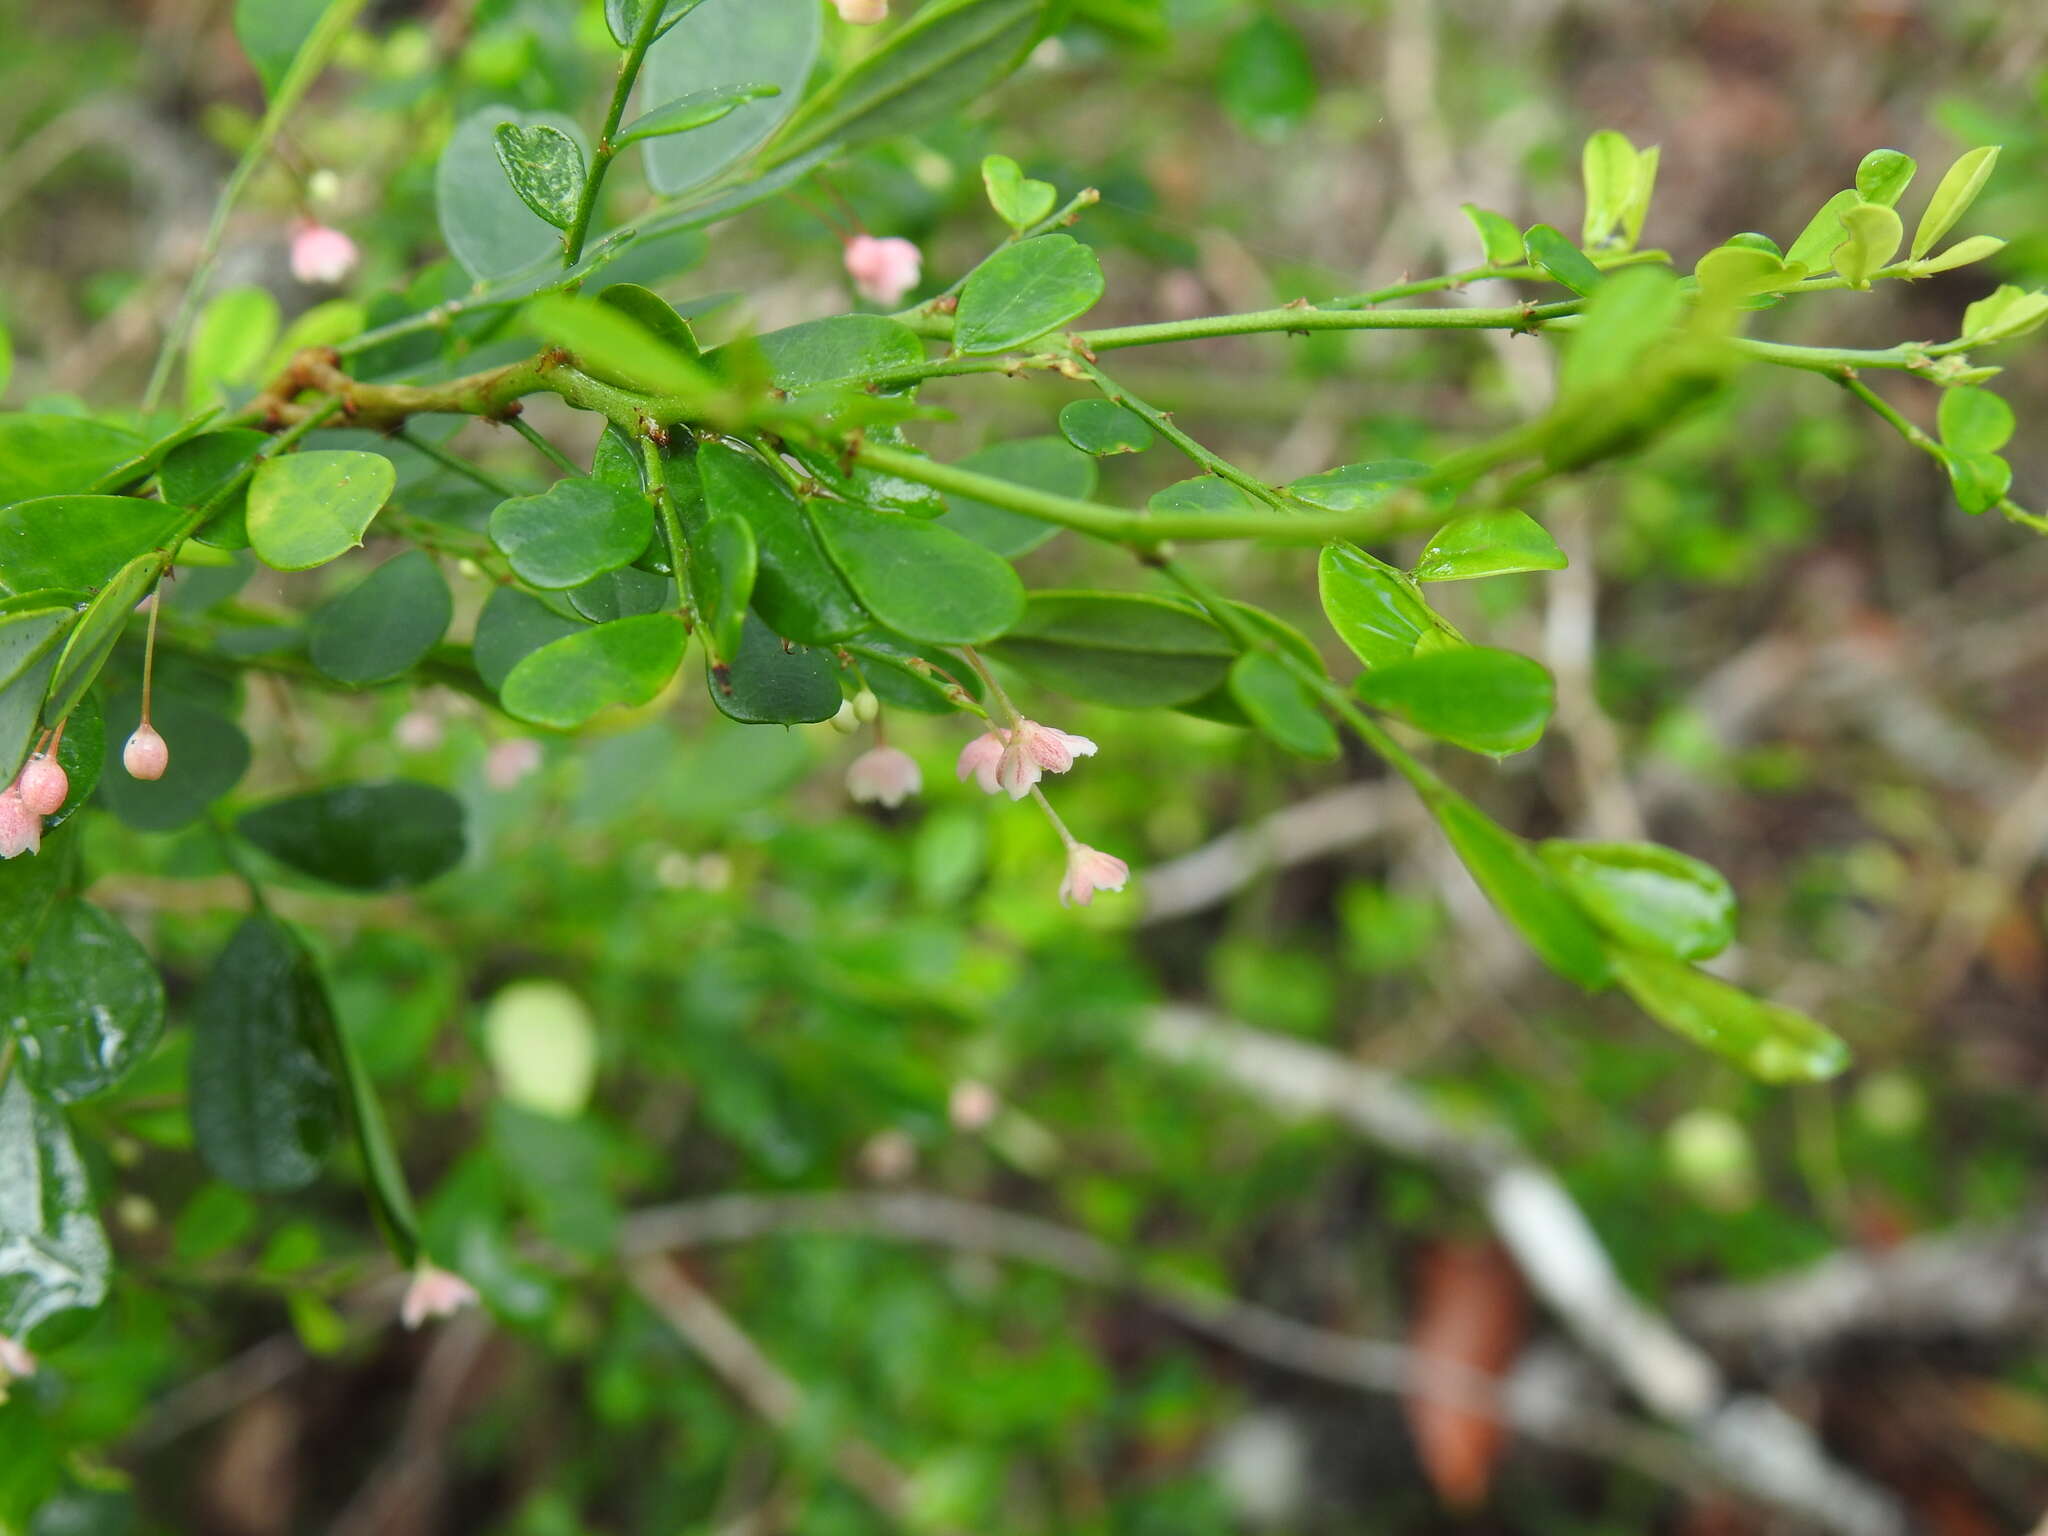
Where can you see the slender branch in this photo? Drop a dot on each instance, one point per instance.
(454, 462)
(559, 459)
(1163, 424)
(601, 157)
(671, 526)
(1485, 272)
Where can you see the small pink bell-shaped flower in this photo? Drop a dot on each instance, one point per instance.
(980, 758)
(321, 254)
(862, 13)
(434, 1292)
(21, 829)
(883, 270)
(44, 785)
(16, 1363)
(1090, 870)
(146, 755)
(883, 776)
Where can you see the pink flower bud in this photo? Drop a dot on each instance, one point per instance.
(15, 1360)
(321, 254)
(434, 1293)
(44, 786)
(862, 13)
(1090, 870)
(883, 270)
(146, 755)
(883, 776)
(21, 829)
(510, 761)
(971, 1105)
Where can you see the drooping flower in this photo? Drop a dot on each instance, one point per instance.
(885, 269)
(21, 829)
(980, 758)
(434, 1292)
(146, 754)
(972, 1105)
(16, 1363)
(321, 254)
(1013, 759)
(1090, 870)
(44, 785)
(510, 761)
(862, 13)
(883, 776)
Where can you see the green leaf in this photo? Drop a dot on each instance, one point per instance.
(1267, 82)
(770, 42)
(93, 637)
(1884, 176)
(2001, 315)
(383, 626)
(572, 531)
(1354, 487)
(1624, 325)
(21, 710)
(230, 344)
(1119, 649)
(1023, 291)
(1974, 421)
(1472, 696)
(78, 543)
(1637, 209)
(567, 681)
(1958, 188)
(1488, 544)
(1980, 480)
(307, 508)
(271, 33)
(616, 347)
(1018, 201)
(209, 755)
(921, 579)
(1043, 464)
(1374, 609)
(1874, 235)
(1608, 166)
(27, 635)
(1561, 259)
(1102, 428)
(1729, 274)
(1814, 248)
(950, 53)
(264, 1102)
(1522, 886)
(797, 588)
(771, 682)
(364, 837)
(1498, 238)
(1202, 496)
(544, 166)
(696, 109)
(724, 563)
(627, 593)
(194, 472)
(53, 1254)
(28, 892)
(41, 455)
(1961, 254)
(487, 224)
(1770, 1042)
(512, 626)
(885, 667)
(88, 1007)
(1647, 896)
(844, 349)
(1274, 700)
(659, 319)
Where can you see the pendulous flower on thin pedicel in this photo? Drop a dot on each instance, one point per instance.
(1013, 758)
(1090, 870)
(862, 13)
(43, 785)
(21, 829)
(885, 269)
(883, 776)
(16, 1363)
(321, 254)
(146, 754)
(434, 1292)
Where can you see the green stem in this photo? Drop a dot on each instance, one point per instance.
(559, 459)
(601, 157)
(1308, 318)
(1163, 424)
(1480, 274)
(305, 68)
(671, 525)
(455, 462)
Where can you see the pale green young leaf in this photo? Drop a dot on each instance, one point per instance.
(1884, 176)
(1961, 254)
(1637, 209)
(1823, 233)
(307, 508)
(1498, 237)
(1874, 233)
(1768, 1041)
(697, 109)
(1974, 421)
(1958, 188)
(1494, 543)
(1608, 168)
(1018, 201)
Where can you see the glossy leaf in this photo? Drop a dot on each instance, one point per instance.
(1374, 609)
(21, 710)
(488, 226)
(383, 626)
(1958, 188)
(1202, 496)
(1522, 886)
(44, 454)
(885, 665)
(1874, 234)
(1561, 259)
(93, 637)
(87, 1008)
(195, 471)
(615, 346)
(29, 634)
(841, 349)
(1102, 428)
(1023, 291)
(772, 682)
(659, 319)
(1731, 274)
(1488, 544)
(209, 755)
(264, 1101)
(1884, 176)
(1962, 254)
(697, 109)
(1814, 249)
(1768, 1041)
(544, 166)
(512, 626)
(307, 508)
(77, 543)
(53, 1254)
(1116, 648)
(797, 589)
(2004, 313)
(1980, 480)
(1499, 240)
(724, 562)
(626, 593)
(572, 531)
(1018, 201)
(1974, 421)
(1274, 700)
(718, 43)
(1042, 463)
(364, 837)
(920, 579)
(567, 681)
(1608, 171)
(1473, 696)
(29, 888)
(1648, 896)
(1356, 487)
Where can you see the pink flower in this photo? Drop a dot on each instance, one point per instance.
(21, 829)
(15, 1360)
(510, 761)
(981, 757)
(434, 1293)
(1090, 870)
(44, 786)
(971, 1105)
(418, 731)
(1013, 760)
(321, 254)
(147, 754)
(883, 776)
(888, 1156)
(862, 13)
(883, 270)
